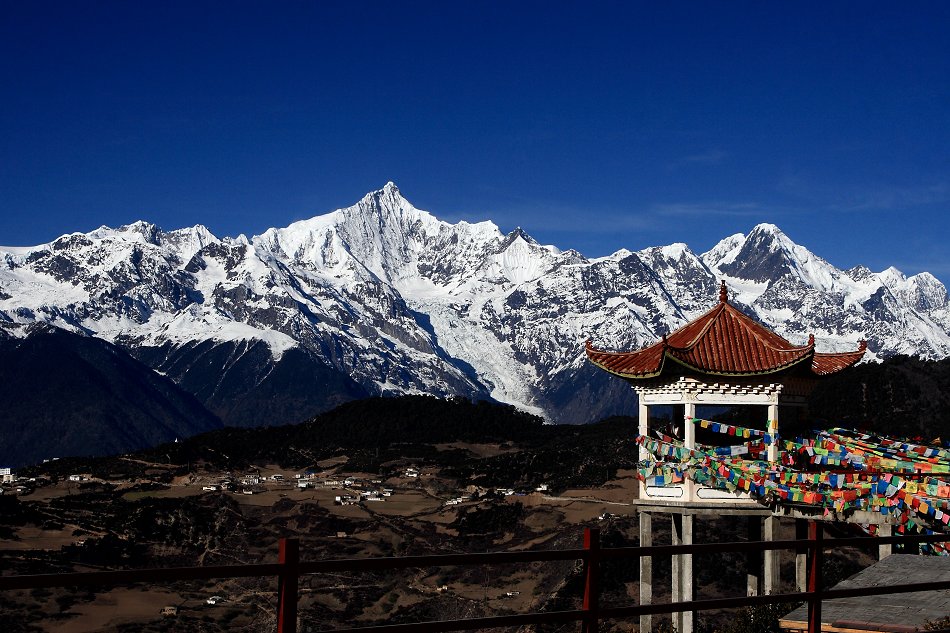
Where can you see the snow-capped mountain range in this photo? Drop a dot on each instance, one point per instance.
(383, 298)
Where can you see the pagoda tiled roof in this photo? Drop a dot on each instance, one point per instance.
(724, 341)
(824, 364)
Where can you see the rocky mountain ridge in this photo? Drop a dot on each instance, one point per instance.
(383, 298)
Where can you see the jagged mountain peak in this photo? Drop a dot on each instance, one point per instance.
(387, 195)
(859, 273)
(677, 256)
(768, 228)
(671, 252)
(926, 278)
(770, 236)
(138, 231)
(517, 234)
(676, 249)
(766, 254)
(725, 251)
(199, 231)
(923, 291)
(188, 241)
(764, 234)
(617, 255)
(386, 200)
(380, 236)
(184, 241)
(384, 208)
(927, 293)
(521, 258)
(892, 275)
(685, 276)
(759, 257)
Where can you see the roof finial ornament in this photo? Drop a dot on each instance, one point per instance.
(723, 292)
(811, 340)
(862, 345)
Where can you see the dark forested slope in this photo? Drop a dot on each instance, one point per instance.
(903, 396)
(66, 394)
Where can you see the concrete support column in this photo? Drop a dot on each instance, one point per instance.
(683, 571)
(689, 429)
(773, 560)
(689, 440)
(676, 532)
(883, 551)
(646, 570)
(754, 559)
(772, 429)
(801, 556)
(643, 422)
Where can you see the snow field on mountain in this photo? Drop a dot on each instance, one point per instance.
(403, 302)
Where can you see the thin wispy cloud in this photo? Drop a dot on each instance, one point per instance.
(890, 198)
(730, 209)
(876, 197)
(710, 157)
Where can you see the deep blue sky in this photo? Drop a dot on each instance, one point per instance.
(594, 126)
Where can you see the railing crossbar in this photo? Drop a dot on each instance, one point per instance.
(438, 560)
(133, 576)
(523, 619)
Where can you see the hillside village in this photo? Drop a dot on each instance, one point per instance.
(132, 511)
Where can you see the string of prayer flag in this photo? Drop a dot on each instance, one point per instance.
(737, 431)
(838, 471)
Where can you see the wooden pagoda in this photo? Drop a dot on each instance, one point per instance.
(723, 358)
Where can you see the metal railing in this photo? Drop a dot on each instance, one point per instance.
(290, 568)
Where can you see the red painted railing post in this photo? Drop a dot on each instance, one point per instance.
(289, 557)
(815, 557)
(591, 582)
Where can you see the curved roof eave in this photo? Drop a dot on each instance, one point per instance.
(626, 375)
(762, 372)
